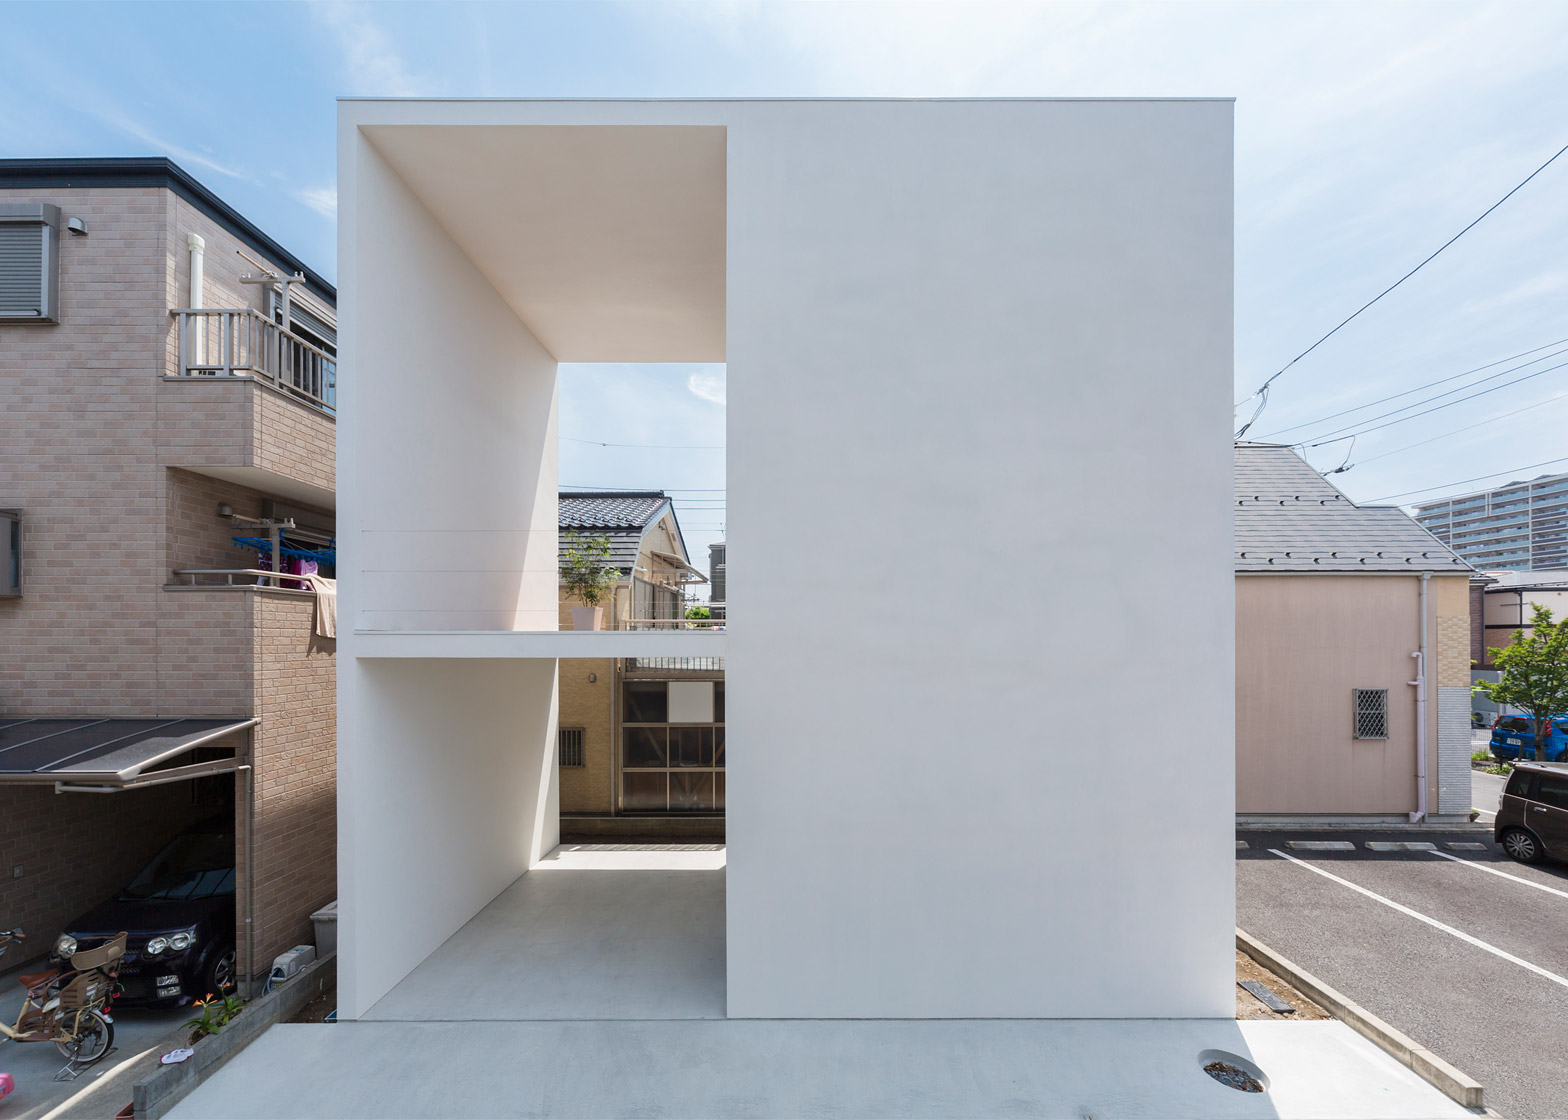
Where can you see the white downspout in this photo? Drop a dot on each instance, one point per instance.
(198, 270)
(1420, 687)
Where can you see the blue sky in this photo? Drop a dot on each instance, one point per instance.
(1367, 135)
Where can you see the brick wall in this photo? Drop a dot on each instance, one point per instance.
(118, 474)
(1478, 652)
(588, 704)
(296, 771)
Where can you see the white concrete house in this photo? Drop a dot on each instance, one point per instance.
(1009, 317)
(1001, 330)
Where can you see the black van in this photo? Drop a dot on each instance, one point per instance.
(1532, 815)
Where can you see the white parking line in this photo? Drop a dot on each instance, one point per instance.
(1433, 922)
(1503, 874)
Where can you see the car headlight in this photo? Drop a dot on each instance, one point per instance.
(65, 946)
(182, 941)
(157, 945)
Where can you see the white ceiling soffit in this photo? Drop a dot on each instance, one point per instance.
(608, 241)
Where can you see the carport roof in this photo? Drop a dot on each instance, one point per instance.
(110, 753)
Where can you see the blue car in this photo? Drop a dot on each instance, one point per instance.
(1512, 735)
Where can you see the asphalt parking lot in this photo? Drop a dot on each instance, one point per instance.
(1464, 950)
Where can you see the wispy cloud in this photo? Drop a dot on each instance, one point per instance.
(323, 200)
(161, 145)
(708, 386)
(372, 64)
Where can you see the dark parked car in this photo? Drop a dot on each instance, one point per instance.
(1532, 814)
(179, 912)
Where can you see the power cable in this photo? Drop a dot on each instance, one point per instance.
(1407, 392)
(1463, 481)
(1262, 393)
(1322, 438)
(1466, 428)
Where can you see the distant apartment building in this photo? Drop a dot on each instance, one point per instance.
(168, 458)
(1522, 526)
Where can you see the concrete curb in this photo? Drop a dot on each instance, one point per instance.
(1451, 1081)
(158, 1094)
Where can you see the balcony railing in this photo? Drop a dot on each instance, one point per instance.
(240, 342)
(210, 579)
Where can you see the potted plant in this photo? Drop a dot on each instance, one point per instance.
(588, 577)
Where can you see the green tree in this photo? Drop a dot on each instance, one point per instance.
(1535, 673)
(585, 568)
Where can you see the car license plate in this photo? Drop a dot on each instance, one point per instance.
(1516, 742)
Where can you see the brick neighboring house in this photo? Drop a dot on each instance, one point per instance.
(140, 441)
(641, 739)
(1329, 599)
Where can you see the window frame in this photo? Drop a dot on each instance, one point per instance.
(46, 218)
(571, 743)
(13, 538)
(1360, 714)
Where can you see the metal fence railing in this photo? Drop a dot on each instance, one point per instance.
(241, 342)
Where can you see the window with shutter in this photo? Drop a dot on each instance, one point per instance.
(29, 262)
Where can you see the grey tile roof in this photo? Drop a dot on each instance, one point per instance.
(621, 515)
(1289, 518)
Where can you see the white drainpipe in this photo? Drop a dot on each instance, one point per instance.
(198, 271)
(1420, 686)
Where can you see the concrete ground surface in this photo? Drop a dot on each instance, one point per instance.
(101, 1090)
(594, 986)
(629, 931)
(810, 1068)
(1502, 1019)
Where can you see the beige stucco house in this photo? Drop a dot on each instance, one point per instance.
(1352, 655)
(641, 739)
(167, 424)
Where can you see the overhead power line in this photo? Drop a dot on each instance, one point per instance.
(1407, 392)
(1466, 428)
(1262, 393)
(1435, 408)
(1463, 481)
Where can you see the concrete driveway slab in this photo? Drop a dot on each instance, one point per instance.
(811, 1068)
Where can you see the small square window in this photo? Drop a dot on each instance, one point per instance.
(570, 743)
(1371, 705)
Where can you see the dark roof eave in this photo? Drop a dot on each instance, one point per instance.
(157, 171)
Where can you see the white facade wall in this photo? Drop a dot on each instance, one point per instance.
(1004, 328)
(1006, 321)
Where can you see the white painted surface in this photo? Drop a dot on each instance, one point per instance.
(533, 643)
(690, 702)
(624, 229)
(451, 795)
(1008, 318)
(449, 408)
(1008, 324)
(1122, 1070)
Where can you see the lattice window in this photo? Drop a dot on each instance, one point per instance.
(570, 740)
(1371, 713)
